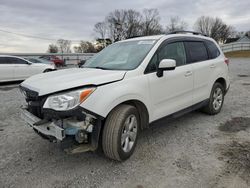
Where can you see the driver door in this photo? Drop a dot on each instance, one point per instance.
(174, 90)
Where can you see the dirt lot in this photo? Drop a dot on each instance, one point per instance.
(195, 150)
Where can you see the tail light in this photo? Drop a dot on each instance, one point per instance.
(227, 61)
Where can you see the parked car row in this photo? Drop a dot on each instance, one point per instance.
(14, 68)
(56, 60)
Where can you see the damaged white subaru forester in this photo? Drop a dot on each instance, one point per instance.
(124, 88)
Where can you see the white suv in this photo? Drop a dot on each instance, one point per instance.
(14, 68)
(123, 89)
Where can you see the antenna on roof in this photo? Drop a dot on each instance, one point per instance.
(182, 31)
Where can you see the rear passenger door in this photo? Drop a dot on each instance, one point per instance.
(6, 70)
(202, 67)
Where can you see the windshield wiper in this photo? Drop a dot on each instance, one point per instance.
(102, 68)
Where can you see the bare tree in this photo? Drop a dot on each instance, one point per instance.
(133, 23)
(116, 23)
(64, 46)
(85, 47)
(175, 24)
(52, 48)
(204, 24)
(123, 24)
(214, 27)
(101, 28)
(151, 22)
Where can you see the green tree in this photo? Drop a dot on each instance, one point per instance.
(52, 48)
(85, 47)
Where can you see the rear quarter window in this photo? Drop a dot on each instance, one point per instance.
(212, 50)
(17, 61)
(197, 51)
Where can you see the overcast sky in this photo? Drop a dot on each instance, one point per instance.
(74, 20)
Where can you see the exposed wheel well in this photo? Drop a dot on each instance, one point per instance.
(142, 110)
(222, 81)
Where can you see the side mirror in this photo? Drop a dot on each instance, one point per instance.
(29, 63)
(165, 65)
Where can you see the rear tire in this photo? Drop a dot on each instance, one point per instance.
(120, 132)
(216, 99)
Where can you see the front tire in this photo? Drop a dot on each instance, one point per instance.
(47, 70)
(120, 132)
(216, 99)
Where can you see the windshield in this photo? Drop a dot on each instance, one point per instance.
(121, 55)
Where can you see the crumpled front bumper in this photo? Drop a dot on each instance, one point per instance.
(75, 135)
(47, 129)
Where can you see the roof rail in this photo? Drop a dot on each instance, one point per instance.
(182, 31)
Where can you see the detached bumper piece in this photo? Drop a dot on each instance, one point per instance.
(49, 129)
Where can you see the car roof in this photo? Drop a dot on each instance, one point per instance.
(166, 36)
(10, 56)
(152, 37)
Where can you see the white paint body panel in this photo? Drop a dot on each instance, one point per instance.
(176, 90)
(70, 78)
(6, 72)
(172, 92)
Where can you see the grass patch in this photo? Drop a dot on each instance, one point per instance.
(243, 53)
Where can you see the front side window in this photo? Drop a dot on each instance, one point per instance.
(197, 51)
(121, 56)
(174, 51)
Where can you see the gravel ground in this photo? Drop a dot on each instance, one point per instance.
(195, 150)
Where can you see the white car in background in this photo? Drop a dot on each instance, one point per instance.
(15, 68)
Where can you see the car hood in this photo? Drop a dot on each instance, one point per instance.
(60, 80)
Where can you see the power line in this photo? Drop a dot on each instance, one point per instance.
(32, 36)
(28, 36)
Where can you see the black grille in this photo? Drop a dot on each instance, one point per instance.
(35, 103)
(29, 94)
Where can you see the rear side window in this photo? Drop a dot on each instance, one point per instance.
(212, 50)
(197, 51)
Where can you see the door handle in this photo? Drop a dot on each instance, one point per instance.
(188, 73)
(212, 66)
